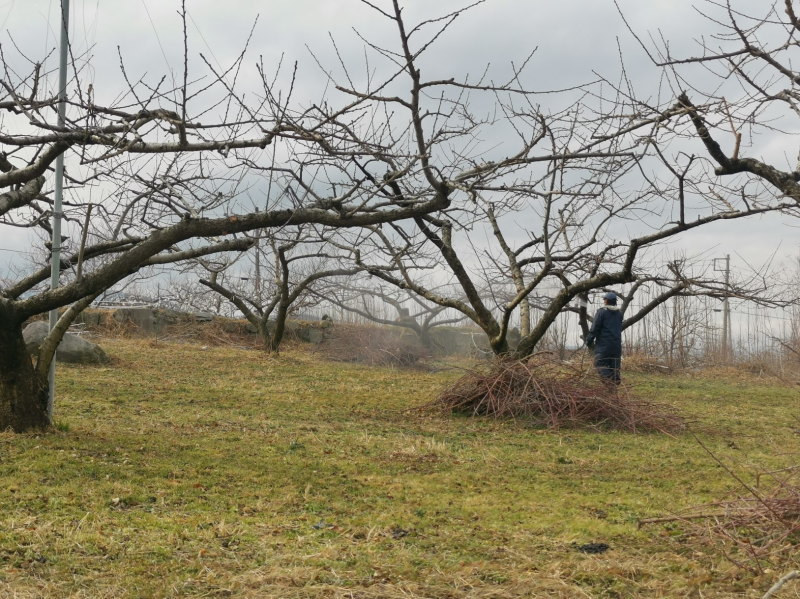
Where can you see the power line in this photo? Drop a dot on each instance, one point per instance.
(90, 35)
(160, 45)
(47, 36)
(202, 37)
(8, 14)
(760, 315)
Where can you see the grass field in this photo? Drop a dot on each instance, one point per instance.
(187, 472)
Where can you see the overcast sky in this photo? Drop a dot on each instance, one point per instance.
(573, 37)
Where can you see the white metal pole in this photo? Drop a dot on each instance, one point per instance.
(728, 344)
(55, 259)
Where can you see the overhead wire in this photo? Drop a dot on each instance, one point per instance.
(202, 37)
(161, 46)
(48, 30)
(90, 36)
(8, 14)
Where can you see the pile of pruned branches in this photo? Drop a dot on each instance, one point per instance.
(757, 528)
(555, 395)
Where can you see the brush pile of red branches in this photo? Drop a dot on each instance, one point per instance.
(757, 528)
(555, 395)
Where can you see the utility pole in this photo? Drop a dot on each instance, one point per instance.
(258, 272)
(726, 313)
(55, 258)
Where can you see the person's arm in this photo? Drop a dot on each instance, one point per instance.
(597, 325)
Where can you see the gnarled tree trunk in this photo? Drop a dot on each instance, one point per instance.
(23, 393)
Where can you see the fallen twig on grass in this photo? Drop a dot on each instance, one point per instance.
(754, 529)
(780, 584)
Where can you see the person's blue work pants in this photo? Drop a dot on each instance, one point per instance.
(608, 366)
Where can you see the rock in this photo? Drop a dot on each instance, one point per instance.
(200, 316)
(592, 547)
(72, 349)
(144, 319)
(313, 333)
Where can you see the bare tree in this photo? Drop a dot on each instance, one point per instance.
(169, 172)
(568, 254)
(737, 98)
(407, 310)
(623, 179)
(284, 271)
(737, 94)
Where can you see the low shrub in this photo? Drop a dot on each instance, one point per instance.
(371, 345)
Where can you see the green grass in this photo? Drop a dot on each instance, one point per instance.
(182, 472)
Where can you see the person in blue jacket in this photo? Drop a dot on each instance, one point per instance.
(605, 337)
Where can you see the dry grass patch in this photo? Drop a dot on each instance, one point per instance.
(643, 363)
(219, 472)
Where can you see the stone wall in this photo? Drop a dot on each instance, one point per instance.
(154, 322)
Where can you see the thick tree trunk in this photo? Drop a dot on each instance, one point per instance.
(23, 394)
(272, 340)
(499, 344)
(425, 338)
(524, 317)
(271, 333)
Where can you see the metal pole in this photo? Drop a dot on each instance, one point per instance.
(726, 314)
(258, 272)
(55, 259)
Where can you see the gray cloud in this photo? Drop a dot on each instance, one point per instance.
(575, 39)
